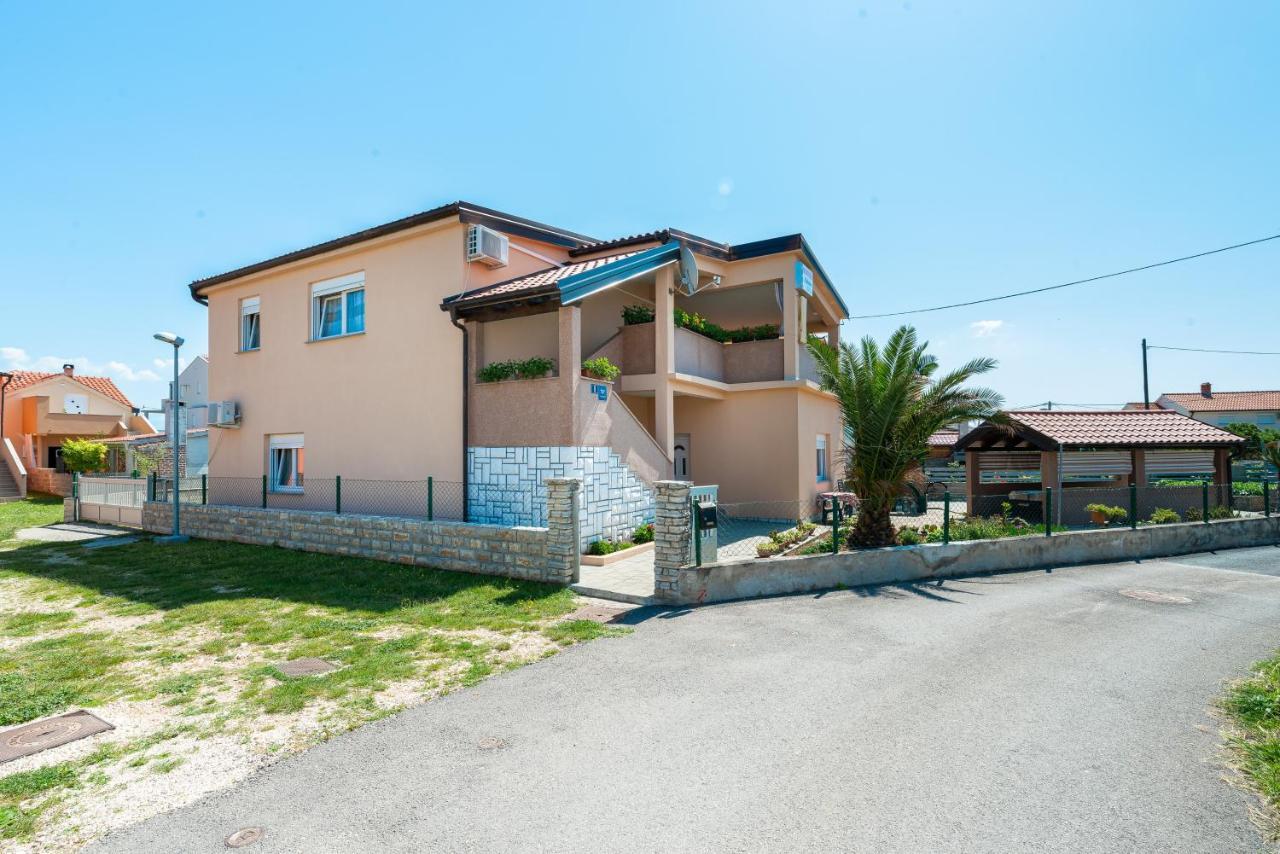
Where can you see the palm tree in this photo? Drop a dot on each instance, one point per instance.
(1271, 453)
(892, 402)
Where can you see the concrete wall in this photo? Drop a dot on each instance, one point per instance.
(541, 554)
(49, 481)
(753, 361)
(749, 578)
(519, 338)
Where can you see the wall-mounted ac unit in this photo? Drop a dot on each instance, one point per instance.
(224, 414)
(486, 246)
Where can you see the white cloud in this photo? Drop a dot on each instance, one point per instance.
(983, 328)
(725, 186)
(18, 359)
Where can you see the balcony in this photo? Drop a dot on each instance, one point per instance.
(699, 356)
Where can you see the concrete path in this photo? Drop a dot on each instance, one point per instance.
(1049, 711)
(71, 532)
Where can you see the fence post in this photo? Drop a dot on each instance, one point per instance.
(1266, 498)
(151, 486)
(697, 534)
(1048, 511)
(204, 489)
(75, 496)
(564, 530)
(431, 496)
(835, 526)
(337, 494)
(264, 492)
(946, 517)
(1133, 506)
(671, 534)
(1204, 500)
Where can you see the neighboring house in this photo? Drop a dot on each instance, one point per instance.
(42, 410)
(193, 385)
(1226, 407)
(359, 357)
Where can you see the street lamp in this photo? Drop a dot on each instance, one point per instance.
(174, 426)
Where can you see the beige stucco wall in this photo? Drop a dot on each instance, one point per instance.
(518, 338)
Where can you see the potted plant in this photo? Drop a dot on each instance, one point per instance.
(1099, 514)
(600, 368)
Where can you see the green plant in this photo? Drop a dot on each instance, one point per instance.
(699, 324)
(601, 548)
(892, 400)
(768, 549)
(635, 314)
(515, 369)
(1193, 514)
(1221, 511)
(1271, 453)
(1165, 516)
(496, 372)
(534, 368)
(1109, 512)
(82, 455)
(909, 537)
(601, 368)
(1257, 439)
(643, 534)
(781, 540)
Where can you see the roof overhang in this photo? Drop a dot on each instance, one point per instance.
(583, 285)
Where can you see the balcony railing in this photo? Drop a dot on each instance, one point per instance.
(699, 356)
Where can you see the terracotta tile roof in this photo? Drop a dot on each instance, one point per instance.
(944, 438)
(1225, 401)
(102, 385)
(1122, 427)
(543, 280)
(1138, 404)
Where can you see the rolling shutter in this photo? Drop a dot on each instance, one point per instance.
(1163, 463)
(1008, 460)
(1096, 462)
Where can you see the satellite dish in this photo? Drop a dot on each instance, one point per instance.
(688, 271)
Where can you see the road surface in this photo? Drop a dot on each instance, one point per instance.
(1038, 711)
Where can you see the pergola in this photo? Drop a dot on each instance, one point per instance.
(1022, 452)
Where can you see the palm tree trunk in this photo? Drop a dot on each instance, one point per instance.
(873, 528)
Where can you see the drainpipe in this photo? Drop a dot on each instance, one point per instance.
(466, 402)
(8, 378)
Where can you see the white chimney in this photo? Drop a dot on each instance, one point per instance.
(68, 370)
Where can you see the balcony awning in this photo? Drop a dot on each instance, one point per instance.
(582, 285)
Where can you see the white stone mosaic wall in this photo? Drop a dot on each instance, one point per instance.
(506, 488)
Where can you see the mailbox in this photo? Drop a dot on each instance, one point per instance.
(706, 517)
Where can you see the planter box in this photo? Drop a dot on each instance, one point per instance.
(606, 560)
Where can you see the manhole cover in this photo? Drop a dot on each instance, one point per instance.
(42, 735)
(244, 836)
(305, 667)
(492, 742)
(1157, 597)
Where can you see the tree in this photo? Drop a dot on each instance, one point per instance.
(1257, 437)
(82, 455)
(1271, 453)
(892, 402)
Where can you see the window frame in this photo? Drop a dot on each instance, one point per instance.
(822, 458)
(341, 288)
(295, 445)
(250, 307)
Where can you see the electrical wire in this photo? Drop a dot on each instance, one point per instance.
(1202, 350)
(1070, 284)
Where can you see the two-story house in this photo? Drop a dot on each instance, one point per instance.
(363, 357)
(43, 410)
(1225, 407)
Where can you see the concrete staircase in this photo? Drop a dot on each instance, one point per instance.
(8, 489)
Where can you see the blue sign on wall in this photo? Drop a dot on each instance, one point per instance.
(804, 279)
(600, 390)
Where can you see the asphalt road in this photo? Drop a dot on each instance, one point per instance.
(1023, 712)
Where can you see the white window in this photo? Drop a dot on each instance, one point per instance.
(75, 404)
(285, 459)
(822, 457)
(250, 324)
(337, 306)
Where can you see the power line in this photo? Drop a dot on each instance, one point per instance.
(1203, 350)
(1070, 284)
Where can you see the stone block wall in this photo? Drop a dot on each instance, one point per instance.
(506, 487)
(539, 554)
(672, 539)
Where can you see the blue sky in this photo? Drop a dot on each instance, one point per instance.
(931, 152)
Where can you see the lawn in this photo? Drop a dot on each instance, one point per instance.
(38, 509)
(1254, 707)
(178, 646)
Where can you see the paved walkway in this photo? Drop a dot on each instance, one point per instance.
(70, 532)
(628, 580)
(1049, 711)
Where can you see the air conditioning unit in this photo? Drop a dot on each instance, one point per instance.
(224, 414)
(486, 246)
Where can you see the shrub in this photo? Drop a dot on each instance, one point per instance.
(909, 537)
(1109, 513)
(780, 540)
(1246, 488)
(81, 455)
(601, 548)
(768, 549)
(699, 324)
(1165, 516)
(534, 368)
(601, 368)
(1221, 511)
(643, 534)
(516, 369)
(634, 314)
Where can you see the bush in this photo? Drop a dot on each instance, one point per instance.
(600, 548)
(82, 455)
(699, 324)
(601, 368)
(643, 534)
(1246, 488)
(1193, 514)
(1109, 513)
(1165, 516)
(768, 549)
(528, 369)
(1221, 512)
(909, 537)
(781, 540)
(634, 314)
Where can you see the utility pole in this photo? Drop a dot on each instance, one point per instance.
(1146, 392)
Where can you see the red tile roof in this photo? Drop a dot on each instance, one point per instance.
(1126, 428)
(543, 280)
(1226, 401)
(102, 385)
(944, 438)
(1138, 404)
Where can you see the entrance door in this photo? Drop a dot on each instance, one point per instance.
(682, 456)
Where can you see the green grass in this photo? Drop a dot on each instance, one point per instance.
(18, 816)
(33, 511)
(1254, 706)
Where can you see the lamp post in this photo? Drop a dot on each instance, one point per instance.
(174, 425)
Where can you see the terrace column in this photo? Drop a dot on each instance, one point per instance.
(971, 480)
(791, 302)
(569, 352)
(1139, 475)
(664, 361)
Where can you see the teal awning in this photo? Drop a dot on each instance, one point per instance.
(581, 285)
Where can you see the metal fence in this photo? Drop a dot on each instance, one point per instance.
(431, 499)
(743, 529)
